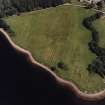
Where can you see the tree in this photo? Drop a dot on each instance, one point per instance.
(61, 65)
(4, 25)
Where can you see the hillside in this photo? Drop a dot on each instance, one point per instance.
(11, 7)
(57, 39)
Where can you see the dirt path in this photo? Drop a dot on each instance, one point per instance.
(82, 6)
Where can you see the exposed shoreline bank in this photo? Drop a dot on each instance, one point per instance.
(68, 85)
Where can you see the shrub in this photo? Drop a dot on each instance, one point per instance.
(95, 36)
(61, 65)
(4, 25)
(53, 68)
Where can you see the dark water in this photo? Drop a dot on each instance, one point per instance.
(24, 84)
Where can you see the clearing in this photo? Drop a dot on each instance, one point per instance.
(56, 35)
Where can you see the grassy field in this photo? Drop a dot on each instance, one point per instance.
(98, 24)
(54, 35)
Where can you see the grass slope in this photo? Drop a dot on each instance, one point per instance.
(57, 34)
(98, 24)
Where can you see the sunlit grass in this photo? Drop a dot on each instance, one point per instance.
(55, 35)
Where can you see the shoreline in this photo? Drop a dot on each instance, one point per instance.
(70, 86)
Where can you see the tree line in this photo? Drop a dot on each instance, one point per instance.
(98, 65)
(10, 7)
(6, 27)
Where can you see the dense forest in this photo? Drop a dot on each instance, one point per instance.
(10, 7)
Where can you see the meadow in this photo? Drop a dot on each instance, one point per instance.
(57, 35)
